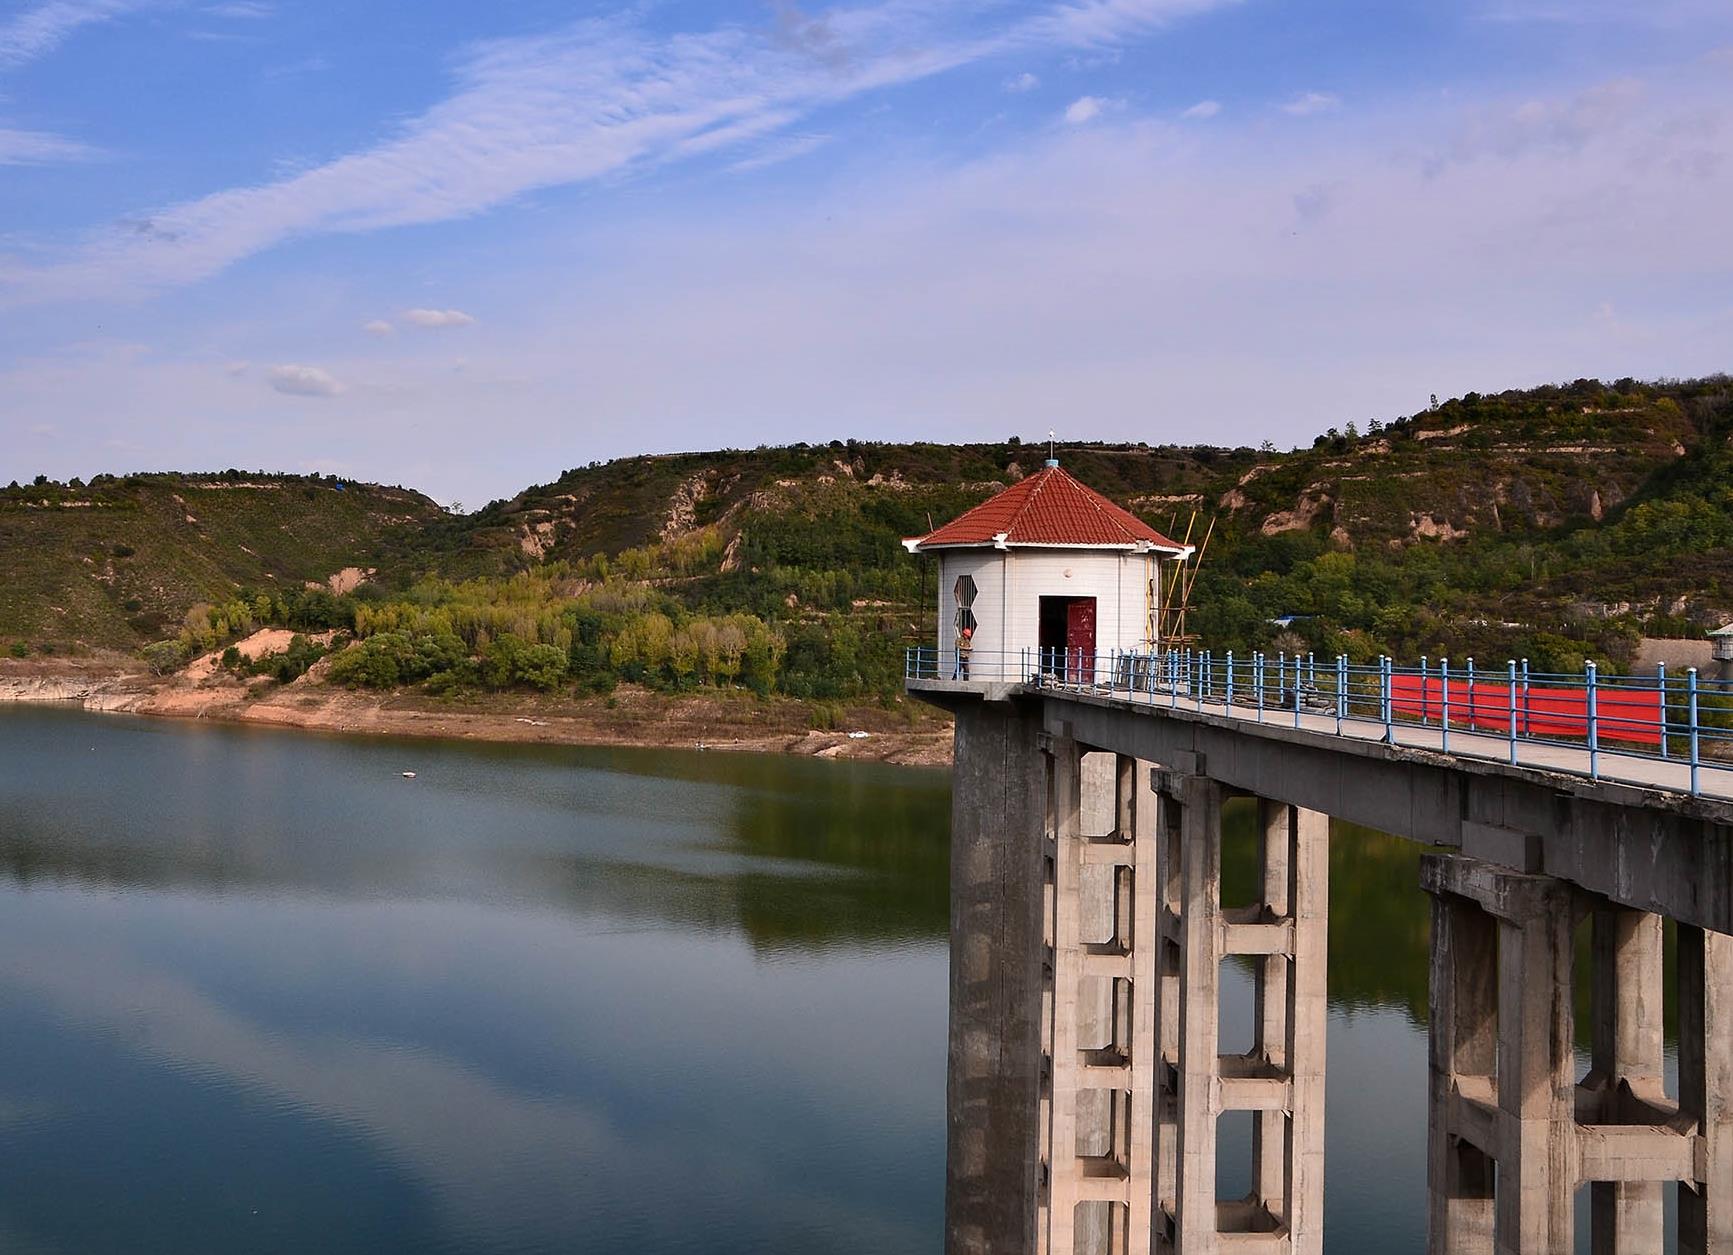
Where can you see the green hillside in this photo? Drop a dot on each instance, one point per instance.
(117, 562)
(1557, 523)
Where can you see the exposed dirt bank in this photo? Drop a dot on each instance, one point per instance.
(632, 716)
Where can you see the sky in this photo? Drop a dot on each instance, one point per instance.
(465, 245)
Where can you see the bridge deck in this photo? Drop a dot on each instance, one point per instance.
(1673, 776)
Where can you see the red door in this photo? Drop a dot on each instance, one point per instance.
(1080, 638)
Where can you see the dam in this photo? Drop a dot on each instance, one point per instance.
(1085, 1077)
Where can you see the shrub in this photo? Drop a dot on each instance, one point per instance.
(18, 649)
(165, 656)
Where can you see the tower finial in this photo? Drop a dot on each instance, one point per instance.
(1052, 454)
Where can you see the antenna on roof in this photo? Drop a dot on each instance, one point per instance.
(1052, 455)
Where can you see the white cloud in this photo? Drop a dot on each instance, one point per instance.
(587, 102)
(1308, 103)
(1202, 110)
(242, 10)
(1020, 83)
(780, 151)
(378, 327)
(1084, 109)
(39, 30)
(438, 317)
(30, 148)
(303, 381)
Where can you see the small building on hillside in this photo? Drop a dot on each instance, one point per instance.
(1721, 643)
(1047, 575)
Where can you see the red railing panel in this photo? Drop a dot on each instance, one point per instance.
(1631, 716)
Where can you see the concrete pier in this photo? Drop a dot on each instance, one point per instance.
(1505, 1105)
(1087, 1080)
(1135, 1083)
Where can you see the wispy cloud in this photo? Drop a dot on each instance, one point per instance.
(789, 149)
(1017, 84)
(303, 381)
(32, 148)
(40, 29)
(589, 101)
(1563, 125)
(1084, 109)
(242, 10)
(378, 327)
(1202, 110)
(438, 318)
(1308, 103)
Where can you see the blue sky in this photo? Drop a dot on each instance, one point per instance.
(464, 246)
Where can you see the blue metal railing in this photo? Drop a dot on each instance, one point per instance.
(1681, 720)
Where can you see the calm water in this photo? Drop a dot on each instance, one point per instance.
(260, 993)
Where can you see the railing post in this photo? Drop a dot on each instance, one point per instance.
(1527, 719)
(1258, 680)
(1296, 690)
(1661, 683)
(1388, 708)
(1512, 711)
(1425, 696)
(1230, 684)
(1444, 703)
(1341, 690)
(1471, 692)
(1691, 696)
(1311, 669)
(1589, 676)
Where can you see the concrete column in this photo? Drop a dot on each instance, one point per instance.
(1270, 993)
(1062, 1168)
(1628, 1055)
(1307, 1016)
(1199, 1008)
(1521, 1111)
(1170, 836)
(1142, 820)
(1706, 1088)
(1536, 1076)
(994, 1065)
(1462, 1053)
(1102, 1031)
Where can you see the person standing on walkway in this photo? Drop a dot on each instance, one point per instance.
(965, 646)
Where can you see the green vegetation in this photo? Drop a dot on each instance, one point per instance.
(117, 562)
(1556, 523)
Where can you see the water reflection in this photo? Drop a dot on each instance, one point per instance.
(259, 992)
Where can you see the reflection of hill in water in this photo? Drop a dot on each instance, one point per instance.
(784, 851)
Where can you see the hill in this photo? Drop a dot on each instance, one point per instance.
(1558, 523)
(118, 562)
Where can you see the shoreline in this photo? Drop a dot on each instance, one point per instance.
(631, 717)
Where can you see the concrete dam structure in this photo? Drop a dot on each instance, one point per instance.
(1086, 1077)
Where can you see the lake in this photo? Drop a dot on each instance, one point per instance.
(259, 992)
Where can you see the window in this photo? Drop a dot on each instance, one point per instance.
(965, 594)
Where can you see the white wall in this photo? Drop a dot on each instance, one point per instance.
(1011, 583)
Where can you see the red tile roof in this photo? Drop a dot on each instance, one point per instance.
(1048, 508)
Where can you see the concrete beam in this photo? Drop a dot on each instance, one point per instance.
(1655, 852)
